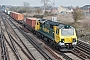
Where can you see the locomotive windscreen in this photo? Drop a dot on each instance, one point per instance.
(67, 32)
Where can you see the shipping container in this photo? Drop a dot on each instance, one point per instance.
(9, 12)
(6, 12)
(13, 14)
(31, 22)
(19, 16)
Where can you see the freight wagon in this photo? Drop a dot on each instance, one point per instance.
(17, 16)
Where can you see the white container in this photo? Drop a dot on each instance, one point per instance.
(54, 19)
(5, 11)
(9, 12)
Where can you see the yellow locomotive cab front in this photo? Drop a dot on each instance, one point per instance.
(66, 37)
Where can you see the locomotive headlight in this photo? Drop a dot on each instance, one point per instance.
(74, 40)
(62, 40)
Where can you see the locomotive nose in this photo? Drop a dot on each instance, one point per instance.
(68, 40)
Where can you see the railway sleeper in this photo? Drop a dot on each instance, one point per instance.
(81, 54)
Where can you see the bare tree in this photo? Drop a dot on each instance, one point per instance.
(45, 2)
(77, 14)
(52, 5)
(38, 11)
(26, 6)
(13, 8)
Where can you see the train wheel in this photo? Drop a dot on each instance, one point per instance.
(45, 39)
(57, 47)
(42, 36)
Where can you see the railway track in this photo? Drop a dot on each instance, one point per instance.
(4, 50)
(65, 56)
(29, 40)
(19, 53)
(81, 52)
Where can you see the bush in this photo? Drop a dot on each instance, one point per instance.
(77, 14)
(21, 11)
(38, 16)
(45, 13)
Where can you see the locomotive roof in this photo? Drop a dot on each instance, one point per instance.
(41, 20)
(52, 23)
(64, 26)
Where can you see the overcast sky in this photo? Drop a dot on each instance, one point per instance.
(38, 2)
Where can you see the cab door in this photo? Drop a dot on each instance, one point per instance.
(37, 26)
(56, 34)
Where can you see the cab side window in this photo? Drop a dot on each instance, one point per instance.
(57, 31)
(51, 26)
(40, 24)
(37, 23)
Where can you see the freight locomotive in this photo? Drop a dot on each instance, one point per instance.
(60, 36)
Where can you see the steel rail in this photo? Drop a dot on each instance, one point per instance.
(13, 46)
(33, 58)
(33, 43)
